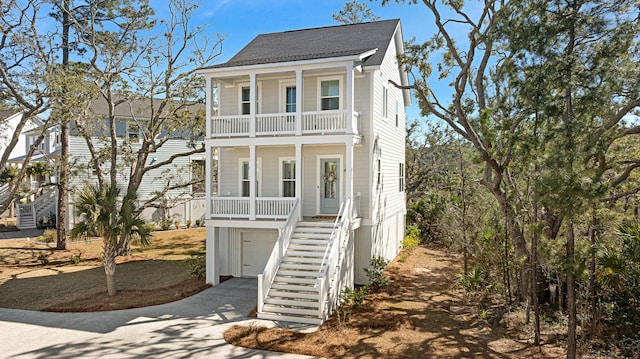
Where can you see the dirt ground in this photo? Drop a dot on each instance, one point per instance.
(35, 276)
(422, 314)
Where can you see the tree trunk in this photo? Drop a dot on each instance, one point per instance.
(109, 261)
(63, 167)
(592, 275)
(571, 293)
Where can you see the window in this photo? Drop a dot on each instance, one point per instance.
(288, 177)
(244, 177)
(290, 102)
(397, 112)
(385, 102)
(401, 178)
(197, 173)
(378, 173)
(330, 95)
(245, 101)
(133, 132)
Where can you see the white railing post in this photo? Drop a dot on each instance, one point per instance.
(298, 102)
(261, 296)
(252, 104)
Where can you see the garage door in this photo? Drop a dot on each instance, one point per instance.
(256, 249)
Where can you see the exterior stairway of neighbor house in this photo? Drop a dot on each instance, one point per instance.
(294, 294)
(29, 213)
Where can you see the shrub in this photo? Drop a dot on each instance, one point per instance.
(198, 222)
(43, 258)
(376, 275)
(197, 265)
(411, 240)
(350, 300)
(49, 236)
(165, 224)
(188, 223)
(75, 259)
(177, 224)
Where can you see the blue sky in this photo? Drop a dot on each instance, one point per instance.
(239, 21)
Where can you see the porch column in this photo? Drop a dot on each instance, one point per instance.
(349, 170)
(349, 99)
(213, 252)
(208, 179)
(299, 177)
(209, 101)
(252, 104)
(252, 182)
(298, 104)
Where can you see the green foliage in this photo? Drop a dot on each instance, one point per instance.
(376, 275)
(476, 279)
(197, 265)
(354, 12)
(165, 223)
(43, 258)
(350, 300)
(48, 236)
(75, 259)
(411, 240)
(9, 174)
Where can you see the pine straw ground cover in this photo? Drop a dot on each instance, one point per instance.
(35, 276)
(422, 314)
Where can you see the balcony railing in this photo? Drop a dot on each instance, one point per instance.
(315, 122)
(241, 207)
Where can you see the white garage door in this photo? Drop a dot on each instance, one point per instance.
(256, 249)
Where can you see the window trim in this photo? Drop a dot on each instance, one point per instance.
(281, 179)
(340, 92)
(282, 103)
(401, 178)
(385, 102)
(258, 175)
(258, 97)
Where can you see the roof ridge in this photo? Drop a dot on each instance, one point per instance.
(331, 26)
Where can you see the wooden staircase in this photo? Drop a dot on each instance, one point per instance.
(29, 213)
(294, 295)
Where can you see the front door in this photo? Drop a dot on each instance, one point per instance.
(329, 185)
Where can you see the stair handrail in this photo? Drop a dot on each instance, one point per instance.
(330, 259)
(279, 249)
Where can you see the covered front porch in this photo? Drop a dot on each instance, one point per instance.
(264, 182)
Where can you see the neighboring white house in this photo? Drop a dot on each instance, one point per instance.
(186, 203)
(309, 137)
(9, 120)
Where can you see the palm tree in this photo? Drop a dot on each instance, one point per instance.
(98, 209)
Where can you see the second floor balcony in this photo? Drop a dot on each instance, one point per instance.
(285, 124)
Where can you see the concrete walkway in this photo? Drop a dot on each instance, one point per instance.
(189, 328)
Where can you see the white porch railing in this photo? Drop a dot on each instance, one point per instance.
(279, 249)
(223, 126)
(332, 262)
(275, 124)
(273, 207)
(230, 207)
(240, 207)
(324, 121)
(315, 122)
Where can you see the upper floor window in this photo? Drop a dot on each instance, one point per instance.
(401, 178)
(290, 101)
(330, 95)
(288, 177)
(245, 98)
(245, 101)
(245, 181)
(385, 102)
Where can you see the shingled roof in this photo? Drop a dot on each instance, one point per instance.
(317, 43)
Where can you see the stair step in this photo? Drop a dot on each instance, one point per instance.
(314, 229)
(291, 294)
(297, 273)
(303, 260)
(284, 279)
(299, 311)
(315, 224)
(293, 303)
(299, 235)
(307, 247)
(287, 265)
(290, 318)
(323, 241)
(295, 253)
(294, 287)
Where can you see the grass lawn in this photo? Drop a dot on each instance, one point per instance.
(35, 276)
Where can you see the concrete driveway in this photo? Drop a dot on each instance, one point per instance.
(192, 327)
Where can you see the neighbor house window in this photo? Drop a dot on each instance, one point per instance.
(378, 173)
(288, 177)
(401, 178)
(197, 173)
(133, 132)
(397, 112)
(330, 95)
